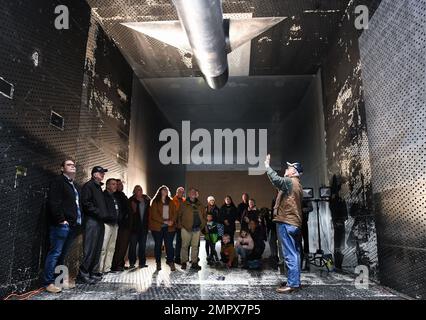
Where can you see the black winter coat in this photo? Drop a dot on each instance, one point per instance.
(228, 213)
(124, 207)
(115, 214)
(134, 222)
(93, 200)
(61, 205)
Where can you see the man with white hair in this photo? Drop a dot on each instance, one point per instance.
(288, 216)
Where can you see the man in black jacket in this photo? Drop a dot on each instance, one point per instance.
(111, 225)
(95, 212)
(123, 234)
(64, 210)
(138, 224)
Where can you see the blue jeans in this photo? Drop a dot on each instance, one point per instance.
(290, 237)
(61, 239)
(244, 253)
(168, 237)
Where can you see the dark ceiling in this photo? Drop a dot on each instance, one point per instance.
(293, 47)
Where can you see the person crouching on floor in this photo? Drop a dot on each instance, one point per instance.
(254, 259)
(244, 246)
(227, 252)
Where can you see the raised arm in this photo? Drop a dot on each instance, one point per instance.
(281, 183)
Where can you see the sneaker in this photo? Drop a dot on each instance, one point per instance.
(53, 289)
(183, 266)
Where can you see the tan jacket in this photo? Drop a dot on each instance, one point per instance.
(155, 218)
(288, 204)
(186, 216)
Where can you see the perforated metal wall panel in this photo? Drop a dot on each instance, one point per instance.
(96, 123)
(347, 148)
(393, 55)
(31, 150)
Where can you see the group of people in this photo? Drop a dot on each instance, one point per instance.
(115, 226)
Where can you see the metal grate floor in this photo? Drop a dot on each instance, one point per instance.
(218, 284)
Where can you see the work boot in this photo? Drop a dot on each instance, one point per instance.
(183, 265)
(85, 279)
(53, 289)
(172, 266)
(195, 266)
(96, 276)
(285, 289)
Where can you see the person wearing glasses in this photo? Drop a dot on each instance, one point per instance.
(65, 217)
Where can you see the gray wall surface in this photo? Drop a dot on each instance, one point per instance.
(145, 167)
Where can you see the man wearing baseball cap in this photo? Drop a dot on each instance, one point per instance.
(95, 211)
(287, 214)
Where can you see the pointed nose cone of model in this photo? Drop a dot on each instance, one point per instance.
(217, 82)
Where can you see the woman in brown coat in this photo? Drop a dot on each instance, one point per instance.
(162, 223)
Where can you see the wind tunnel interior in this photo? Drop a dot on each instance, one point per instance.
(347, 103)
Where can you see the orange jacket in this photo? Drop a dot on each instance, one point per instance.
(178, 201)
(155, 218)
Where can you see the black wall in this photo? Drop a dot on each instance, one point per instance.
(83, 77)
(347, 148)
